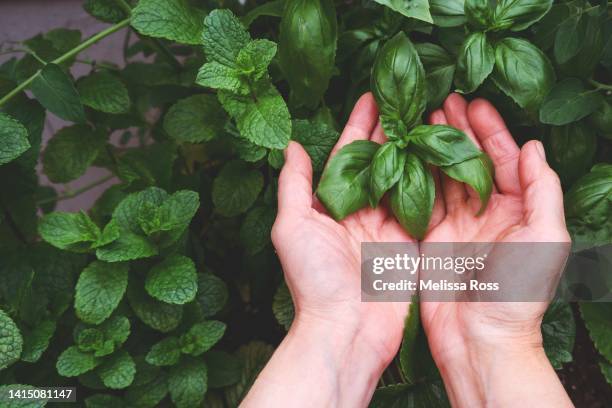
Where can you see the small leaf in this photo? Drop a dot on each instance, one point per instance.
(104, 10)
(386, 169)
(174, 20)
(418, 9)
(212, 294)
(104, 92)
(173, 280)
(441, 145)
(236, 188)
(316, 138)
(201, 337)
(569, 101)
(11, 342)
(475, 62)
(160, 316)
(187, 383)
(196, 119)
(165, 353)
(519, 14)
(223, 37)
(254, 58)
(256, 228)
(55, 90)
(69, 231)
(117, 372)
(479, 13)
(13, 139)
(99, 290)
(73, 362)
(105, 338)
(282, 306)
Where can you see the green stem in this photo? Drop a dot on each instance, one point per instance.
(600, 85)
(84, 45)
(78, 191)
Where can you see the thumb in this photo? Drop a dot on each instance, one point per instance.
(542, 193)
(295, 182)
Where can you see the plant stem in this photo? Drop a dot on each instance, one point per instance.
(78, 191)
(600, 85)
(84, 45)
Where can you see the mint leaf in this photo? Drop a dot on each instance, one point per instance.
(187, 383)
(255, 355)
(70, 153)
(201, 337)
(117, 371)
(316, 138)
(106, 338)
(103, 10)
(11, 342)
(73, 362)
(104, 92)
(99, 290)
(256, 228)
(55, 90)
(262, 117)
(223, 368)
(13, 139)
(36, 341)
(21, 403)
(68, 231)
(212, 294)
(597, 318)
(254, 58)
(149, 394)
(195, 119)
(164, 353)
(173, 280)
(218, 76)
(223, 37)
(558, 333)
(160, 316)
(127, 247)
(171, 19)
(236, 188)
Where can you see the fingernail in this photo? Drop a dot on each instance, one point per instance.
(540, 149)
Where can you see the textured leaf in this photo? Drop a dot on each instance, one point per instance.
(13, 139)
(99, 290)
(201, 337)
(103, 10)
(11, 342)
(73, 362)
(174, 280)
(117, 371)
(316, 138)
(254, 58)
(212, 294)
(55, 90)
(147, 395)
(127, 247)
(174, 20)
(598, 320)
(218, 76)
(282, 306)
(21, 403)
(418, 9)
(558, 333)
(106, 338)
(160, 316)
(37, 340)
(256, 228)
(236, 188)
(69, 231)
(165, 353)
(475, 62)
(479, 13)
(224, 36)
(187, 383)
(104, 92)
(195, 119)
(569, 101)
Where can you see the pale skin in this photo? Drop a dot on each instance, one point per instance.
(337, 347)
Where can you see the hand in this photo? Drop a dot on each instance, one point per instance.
(470, 340)
(321, 259)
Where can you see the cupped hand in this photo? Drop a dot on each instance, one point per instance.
(321, 257)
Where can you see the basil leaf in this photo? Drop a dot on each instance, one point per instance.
(440, 70)
(474, 63)
(307, 48)
(398, 84)
(570, 150)
(477, 173)
(517, 15)
(387, 167)
(522, 72)
(479, 13)
(344, 184)
(568, 102)
(447, 13)
(591, 49)
(441, 145)
(418, 9)
(412, 198)
(569, 37)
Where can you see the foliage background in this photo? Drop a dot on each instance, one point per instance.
(171, 133)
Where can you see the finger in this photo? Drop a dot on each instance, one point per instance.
(499, 144)
(455, 110)
(542, 193)
(295, 182)
(378, 135)
(360, 124)
(454, 192)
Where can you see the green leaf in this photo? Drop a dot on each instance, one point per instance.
(439, 72)
(522, 72)
(477, 173)
(386, 169)
(569, 37)
(598, 320)
(70, 153)
(196, 119)
(223, 368)
(344, 185)
(255, 355)
(117, 372)
(262, 117)
(254, 58)
(37, 340)
(201, 337)
(282, 306)
(418, 9)
(570, 151)
(174, 280)
(441, 145)
(412, 326)
(104, 92)
(165, 353)
(160, 316)
(68, 231)
(106, 338)
(316, 138)
(272, 8)
(412, 198)
(256, 228)
(187, 383)
(236, 188)
(99, 290)
(223, 37)
(217, 76)
(426, 395)
(103, 401)
(55, 91)
(174, 20)
(11, 342)
(517, 15)
(307, 48)
(569, 101)
(398, 84)
(73, 362)
(21, 403)
(212, 294)
(13, 139)
(475, 62)
(558, 333)
(147, 395)
(448, 13)
(106, 11)
(479, 13)
(127, 247)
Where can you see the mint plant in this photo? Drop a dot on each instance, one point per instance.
(165, 290)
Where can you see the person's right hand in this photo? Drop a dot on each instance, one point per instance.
(472, 341)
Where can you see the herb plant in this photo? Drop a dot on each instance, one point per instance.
(166, 290)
